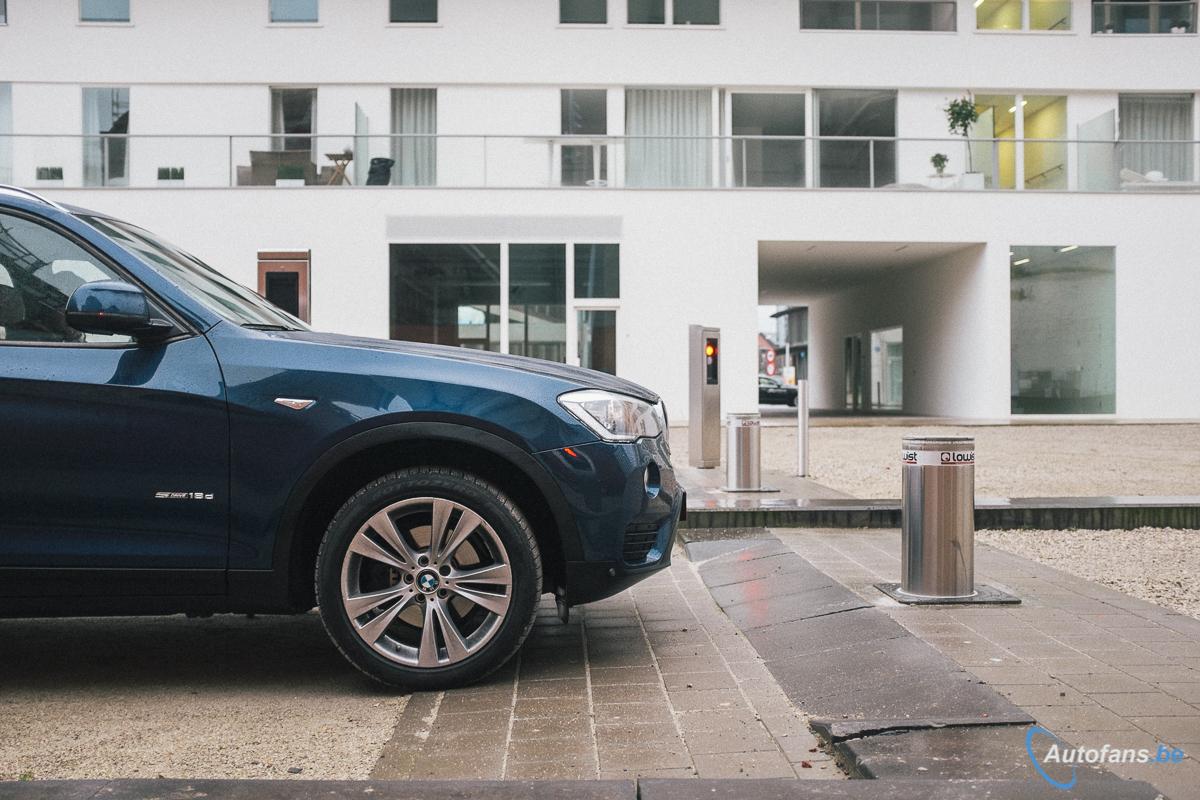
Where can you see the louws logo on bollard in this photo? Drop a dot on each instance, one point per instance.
(1058, 764)
(933, 458)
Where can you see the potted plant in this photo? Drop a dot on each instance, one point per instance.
(939, 161)
(1179, 26)
(1109, 28)
(961, 114)
(170, 176)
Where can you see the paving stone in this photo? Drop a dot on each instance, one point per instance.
(573, 750)
(675, 664)
(715, 742)
(553, 688)
(1061, 719)
(659, 754)
(700, 680)
(551, 728)
(554, 707)
(1167, 673)
(733, 721)
(1188, 692)
(467, 701)
(605, 676)
(765, 764)
(1012, 675)
(1025, 695)
(1146, 704)
(628, 693)
(549, 770)
(1170, 729)
(1109, 682)
(706, 699)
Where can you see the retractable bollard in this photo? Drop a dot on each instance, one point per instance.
(937, 526)
(743, 448)
(938, 517)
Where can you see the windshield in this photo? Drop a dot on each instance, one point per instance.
(204, 284)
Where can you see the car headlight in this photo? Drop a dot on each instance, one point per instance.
(615, 417)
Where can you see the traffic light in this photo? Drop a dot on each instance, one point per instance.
(711, 357)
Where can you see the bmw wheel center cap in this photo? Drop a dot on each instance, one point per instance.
(428, 582)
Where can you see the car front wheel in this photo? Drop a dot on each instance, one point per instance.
(428, 578)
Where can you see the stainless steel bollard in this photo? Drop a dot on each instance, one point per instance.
(938, 516)
(743, 446)
(802, 428)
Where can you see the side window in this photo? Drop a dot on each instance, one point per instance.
(39, 269)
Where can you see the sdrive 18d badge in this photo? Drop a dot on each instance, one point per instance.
(183, 495)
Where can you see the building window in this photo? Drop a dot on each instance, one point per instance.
(104, 10)
(446, 294)
(667, 138)
(584, 114)
(760, 159)
(411, 11)
(5, 133)
(673, 12)
(879, 15)
(867, 118)
(1143, 16)
(450, 294)
(583, 12)
(1063, 330)
(3, 12)
(597, 271)
(294, 113)
(1027, 15)
(537, 301)
(414, 143)
(294, 11)
(106, 142)
(1149, 127)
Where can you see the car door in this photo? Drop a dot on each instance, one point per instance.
(114, 463)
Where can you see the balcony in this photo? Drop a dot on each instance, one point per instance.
(598, 163)
(1148, 16)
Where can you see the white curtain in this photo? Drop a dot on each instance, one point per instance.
(668, 162)
(104, 158)
(414, 143)
(1164, 116)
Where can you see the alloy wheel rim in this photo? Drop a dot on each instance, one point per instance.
(426, 582)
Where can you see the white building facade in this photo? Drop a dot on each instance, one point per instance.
(580, 180)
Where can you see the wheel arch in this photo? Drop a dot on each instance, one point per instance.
(359, 459)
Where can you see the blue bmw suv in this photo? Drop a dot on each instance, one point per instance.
(173, 443)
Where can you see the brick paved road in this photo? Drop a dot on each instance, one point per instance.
(655, 682)
(1095, 666)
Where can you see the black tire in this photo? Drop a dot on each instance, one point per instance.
(792, 400)
(503, 531)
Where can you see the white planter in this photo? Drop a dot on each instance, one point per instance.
(971, 180)
(54, 184)
(289, 181)
(944, 181)
(164, 183)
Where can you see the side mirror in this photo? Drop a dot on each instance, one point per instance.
(114, 307)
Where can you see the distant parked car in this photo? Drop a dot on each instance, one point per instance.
(772, 391)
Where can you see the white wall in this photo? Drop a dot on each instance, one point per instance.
(520, 42)
(692, 257)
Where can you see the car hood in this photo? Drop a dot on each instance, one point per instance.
(585, 378)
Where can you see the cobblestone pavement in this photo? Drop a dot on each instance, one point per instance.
(655, 682)
(1091, 664)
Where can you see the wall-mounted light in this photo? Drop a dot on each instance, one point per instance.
(1020, 262)
(1068, 248)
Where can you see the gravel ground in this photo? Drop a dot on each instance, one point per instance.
(224, 697)
(1158, 565)
(1012, 461)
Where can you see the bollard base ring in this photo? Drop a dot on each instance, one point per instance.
(984, 595)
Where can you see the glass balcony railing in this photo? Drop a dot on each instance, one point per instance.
(599, 162)
(1148, 16)
(878, 15)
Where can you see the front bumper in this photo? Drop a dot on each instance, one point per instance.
(626, 503)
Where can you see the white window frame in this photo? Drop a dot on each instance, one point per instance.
(1069, 30)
